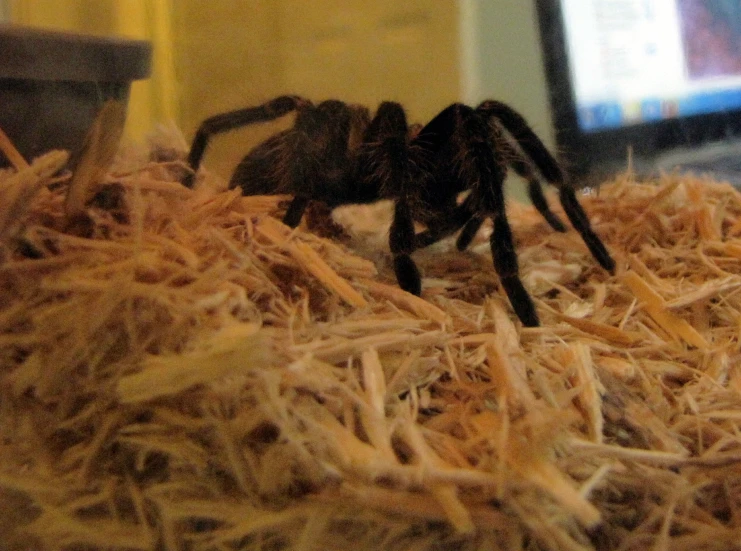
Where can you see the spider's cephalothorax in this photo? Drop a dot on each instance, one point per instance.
(336, 153)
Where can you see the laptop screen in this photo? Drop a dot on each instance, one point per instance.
(649, 76)
(636, 61)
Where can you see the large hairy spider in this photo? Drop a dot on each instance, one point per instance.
(336, 153)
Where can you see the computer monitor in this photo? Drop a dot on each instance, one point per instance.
(646, 75)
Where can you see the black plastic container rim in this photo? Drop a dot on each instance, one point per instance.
(40, 54)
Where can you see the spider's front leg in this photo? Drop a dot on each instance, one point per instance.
(481, 168)
(491, 202)
(505, 263)
(388, 168)
(534, 187)
(504, 256)
(435, 136)
(440, 191)
(401, 243)
(534, 150)
(579, 220)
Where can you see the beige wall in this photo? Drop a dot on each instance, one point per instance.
(503, 58)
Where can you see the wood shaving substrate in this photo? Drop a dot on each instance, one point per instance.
(182, 371)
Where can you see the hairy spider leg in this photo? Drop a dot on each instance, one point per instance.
(533, 147)
(535, 192)
(526, 139)
(534, 187)
(466, 159)
(490, 170)
(386, 160)
(232, 120)
(506, 265)
(461, 215)
(533, 150)
(579, 220)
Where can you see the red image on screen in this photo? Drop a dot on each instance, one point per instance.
(711, 31)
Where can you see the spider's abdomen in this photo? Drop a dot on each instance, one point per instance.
(264, 171)
(309, 160)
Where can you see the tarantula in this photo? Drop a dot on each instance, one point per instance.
(336, 153)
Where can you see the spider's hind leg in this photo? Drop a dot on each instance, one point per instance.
(232, 120)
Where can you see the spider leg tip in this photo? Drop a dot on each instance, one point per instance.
(609, 264)
(529, 319)
(408, 275)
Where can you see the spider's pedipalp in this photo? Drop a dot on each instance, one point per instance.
(469, 231)
(295, 211)
(401, 243)
(445, 226)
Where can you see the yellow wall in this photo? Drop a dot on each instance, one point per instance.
(235, 54)
(225, 54)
